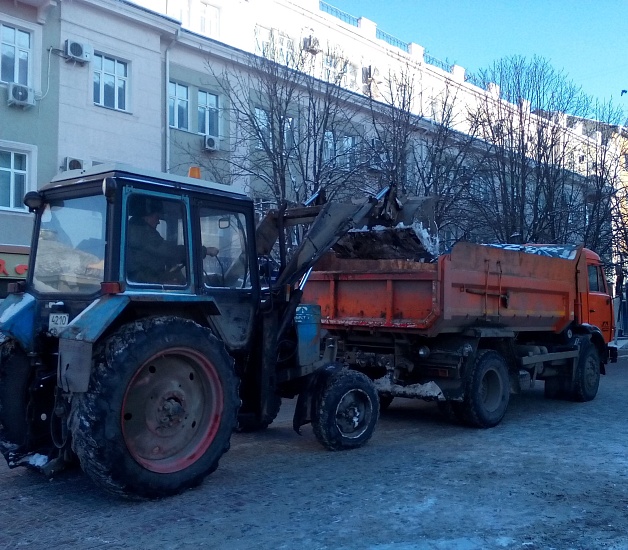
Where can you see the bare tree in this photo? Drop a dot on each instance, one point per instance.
(391, 105)
(443, 163)
(525, 189)
(604, 224)
(326, 156)
(264, 93)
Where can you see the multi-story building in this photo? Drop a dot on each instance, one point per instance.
(156, 83)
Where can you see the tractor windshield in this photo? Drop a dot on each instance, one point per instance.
(71, 246)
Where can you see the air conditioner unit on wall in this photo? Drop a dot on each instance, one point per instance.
(20, 95)
(371, 74)
(78, 51)
(70, 163)
(211, 143)
(311, 44)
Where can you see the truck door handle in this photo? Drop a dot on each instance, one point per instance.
(591, 311)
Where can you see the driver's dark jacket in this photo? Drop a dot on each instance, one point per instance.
(149, 256)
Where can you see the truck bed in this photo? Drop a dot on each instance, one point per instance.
(474, 285)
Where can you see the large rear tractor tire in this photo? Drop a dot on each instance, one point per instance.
(587, 375)
(487, 391)
(347, 410)
(160, 409)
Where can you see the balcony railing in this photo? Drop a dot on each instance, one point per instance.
(343, 16)
(386, 37)
(437, 62)
(392, 40)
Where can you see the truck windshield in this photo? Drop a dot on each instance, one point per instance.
(70, 252)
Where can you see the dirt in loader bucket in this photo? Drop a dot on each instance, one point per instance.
(391, 233)
(387, 243)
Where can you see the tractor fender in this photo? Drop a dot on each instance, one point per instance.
(77, 339)
(17, 319)
(306, 402)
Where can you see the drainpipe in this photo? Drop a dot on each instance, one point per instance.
(166, 164)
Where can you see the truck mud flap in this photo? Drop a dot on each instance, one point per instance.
(612, 355)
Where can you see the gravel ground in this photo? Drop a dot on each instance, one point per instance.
(553, 474)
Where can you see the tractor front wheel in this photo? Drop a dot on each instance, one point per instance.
(347, 410)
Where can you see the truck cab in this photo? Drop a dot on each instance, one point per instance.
(595, 303)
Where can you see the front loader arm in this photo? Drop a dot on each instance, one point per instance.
(328, 223)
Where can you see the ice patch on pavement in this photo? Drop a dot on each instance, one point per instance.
(38, 460)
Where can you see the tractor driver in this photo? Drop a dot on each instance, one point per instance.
(151, 258)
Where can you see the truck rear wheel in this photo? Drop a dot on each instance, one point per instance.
(487, 391)
(587, 375)
(160, 409)
(347, 410)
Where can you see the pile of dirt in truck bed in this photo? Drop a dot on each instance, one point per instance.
(384, 243)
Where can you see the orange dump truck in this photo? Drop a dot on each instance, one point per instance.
(468, 328)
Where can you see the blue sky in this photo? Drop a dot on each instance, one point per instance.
(586, 39)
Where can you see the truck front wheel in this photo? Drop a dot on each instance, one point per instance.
(487, 391)
(160, 409)
(587, 375)
(347, 410)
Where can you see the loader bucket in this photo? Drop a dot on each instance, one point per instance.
(384, 243)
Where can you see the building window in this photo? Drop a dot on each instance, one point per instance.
(208, 114)
(15, 55)
(13, 178)
(209, 21)
(178, 105)
(275, 46)
(176, 10)
(289, 135)
(347, 153)
(262, 123)
(329, 147)
(110, 82)
(333, 68)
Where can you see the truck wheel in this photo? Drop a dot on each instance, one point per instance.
(587, 375)
(487, 391)
(346, 412)
(160, 408)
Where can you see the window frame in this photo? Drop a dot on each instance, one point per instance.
(263, 126)
(347, 148)
(329, 148)
(207, 113)
(183, 229)
(174, 100)
(117, 79)
(208, 25)
(30, 151)
(34, 65)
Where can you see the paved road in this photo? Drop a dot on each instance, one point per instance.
(553, 474)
